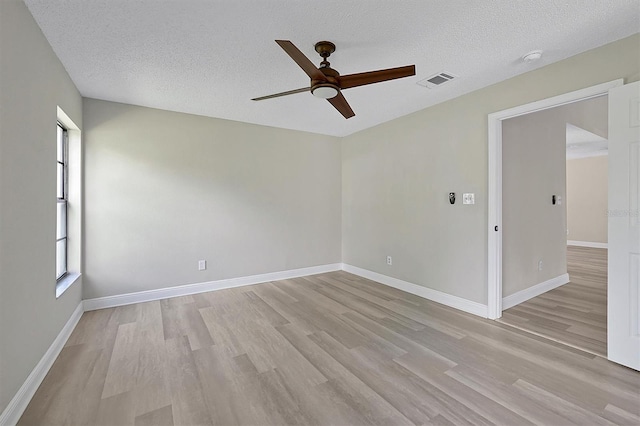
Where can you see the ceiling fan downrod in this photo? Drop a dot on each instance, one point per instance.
(325, 49)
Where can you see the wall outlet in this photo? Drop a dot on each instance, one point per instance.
(468, 198)
(389, 260)
(540, 265)
(202, 265)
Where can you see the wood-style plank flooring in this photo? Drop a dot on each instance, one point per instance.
(330, 349)
(575, 313)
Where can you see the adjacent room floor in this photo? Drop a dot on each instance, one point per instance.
(575, 313)
(327, 349)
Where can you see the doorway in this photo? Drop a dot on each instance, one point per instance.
(623, 269)
(554, 189)
(495, 222)
(495, 121)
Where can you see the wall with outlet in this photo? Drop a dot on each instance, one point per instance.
(33, 84)
(165, 191)
(396, 177)
(534, 174)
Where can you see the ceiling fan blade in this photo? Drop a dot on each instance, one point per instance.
(363, 78)
(277, 95)
(341, 104)
(302, 61)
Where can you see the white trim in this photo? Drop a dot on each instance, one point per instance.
(536, 290)
(556, 101)
(66, 282)
(187, 289)
(587, 244)
(427, 293)
(18, 404)
(494, 196)
(494, 200)
(65, 120)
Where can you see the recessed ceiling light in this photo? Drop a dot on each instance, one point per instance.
(532, 56)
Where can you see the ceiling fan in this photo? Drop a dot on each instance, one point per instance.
(327, 83)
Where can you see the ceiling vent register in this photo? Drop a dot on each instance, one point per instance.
(437, 80)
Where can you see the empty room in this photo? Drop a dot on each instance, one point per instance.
(279, 212)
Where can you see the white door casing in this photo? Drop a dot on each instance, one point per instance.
(623, 322)
(494, 199)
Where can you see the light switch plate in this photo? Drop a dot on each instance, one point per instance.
(468, 198)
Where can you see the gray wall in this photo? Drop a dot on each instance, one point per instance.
(32, 84)
(588, 199)
(396, 176)
(533, 169)
(165, 189)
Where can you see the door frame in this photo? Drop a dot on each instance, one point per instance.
(494, 197)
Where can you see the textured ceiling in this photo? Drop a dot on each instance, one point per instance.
(211, 57)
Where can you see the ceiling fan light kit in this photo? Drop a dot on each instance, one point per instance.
(326, 83)
(324, 91)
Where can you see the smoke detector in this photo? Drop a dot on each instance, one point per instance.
(532, 56)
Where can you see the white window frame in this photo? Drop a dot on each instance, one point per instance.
(62, 191)
(74, 204)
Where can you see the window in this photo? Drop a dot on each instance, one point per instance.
(62, 202)
(68, 203)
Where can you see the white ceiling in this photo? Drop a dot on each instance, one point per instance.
(210, 57)
(582, 143)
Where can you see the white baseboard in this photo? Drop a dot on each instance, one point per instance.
(427, 293)
(536, 290)
(184, 290)
(18, 404)
(587, 244)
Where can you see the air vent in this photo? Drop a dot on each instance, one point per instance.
(436, 80)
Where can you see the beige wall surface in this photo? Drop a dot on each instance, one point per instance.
(396, 176)
(533, 169)
(587, 199)
(164, 190)
(33, 83)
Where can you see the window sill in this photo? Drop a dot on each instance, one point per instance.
(65, 283)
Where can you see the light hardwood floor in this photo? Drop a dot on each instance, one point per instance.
(575, 313)
(327, 349)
